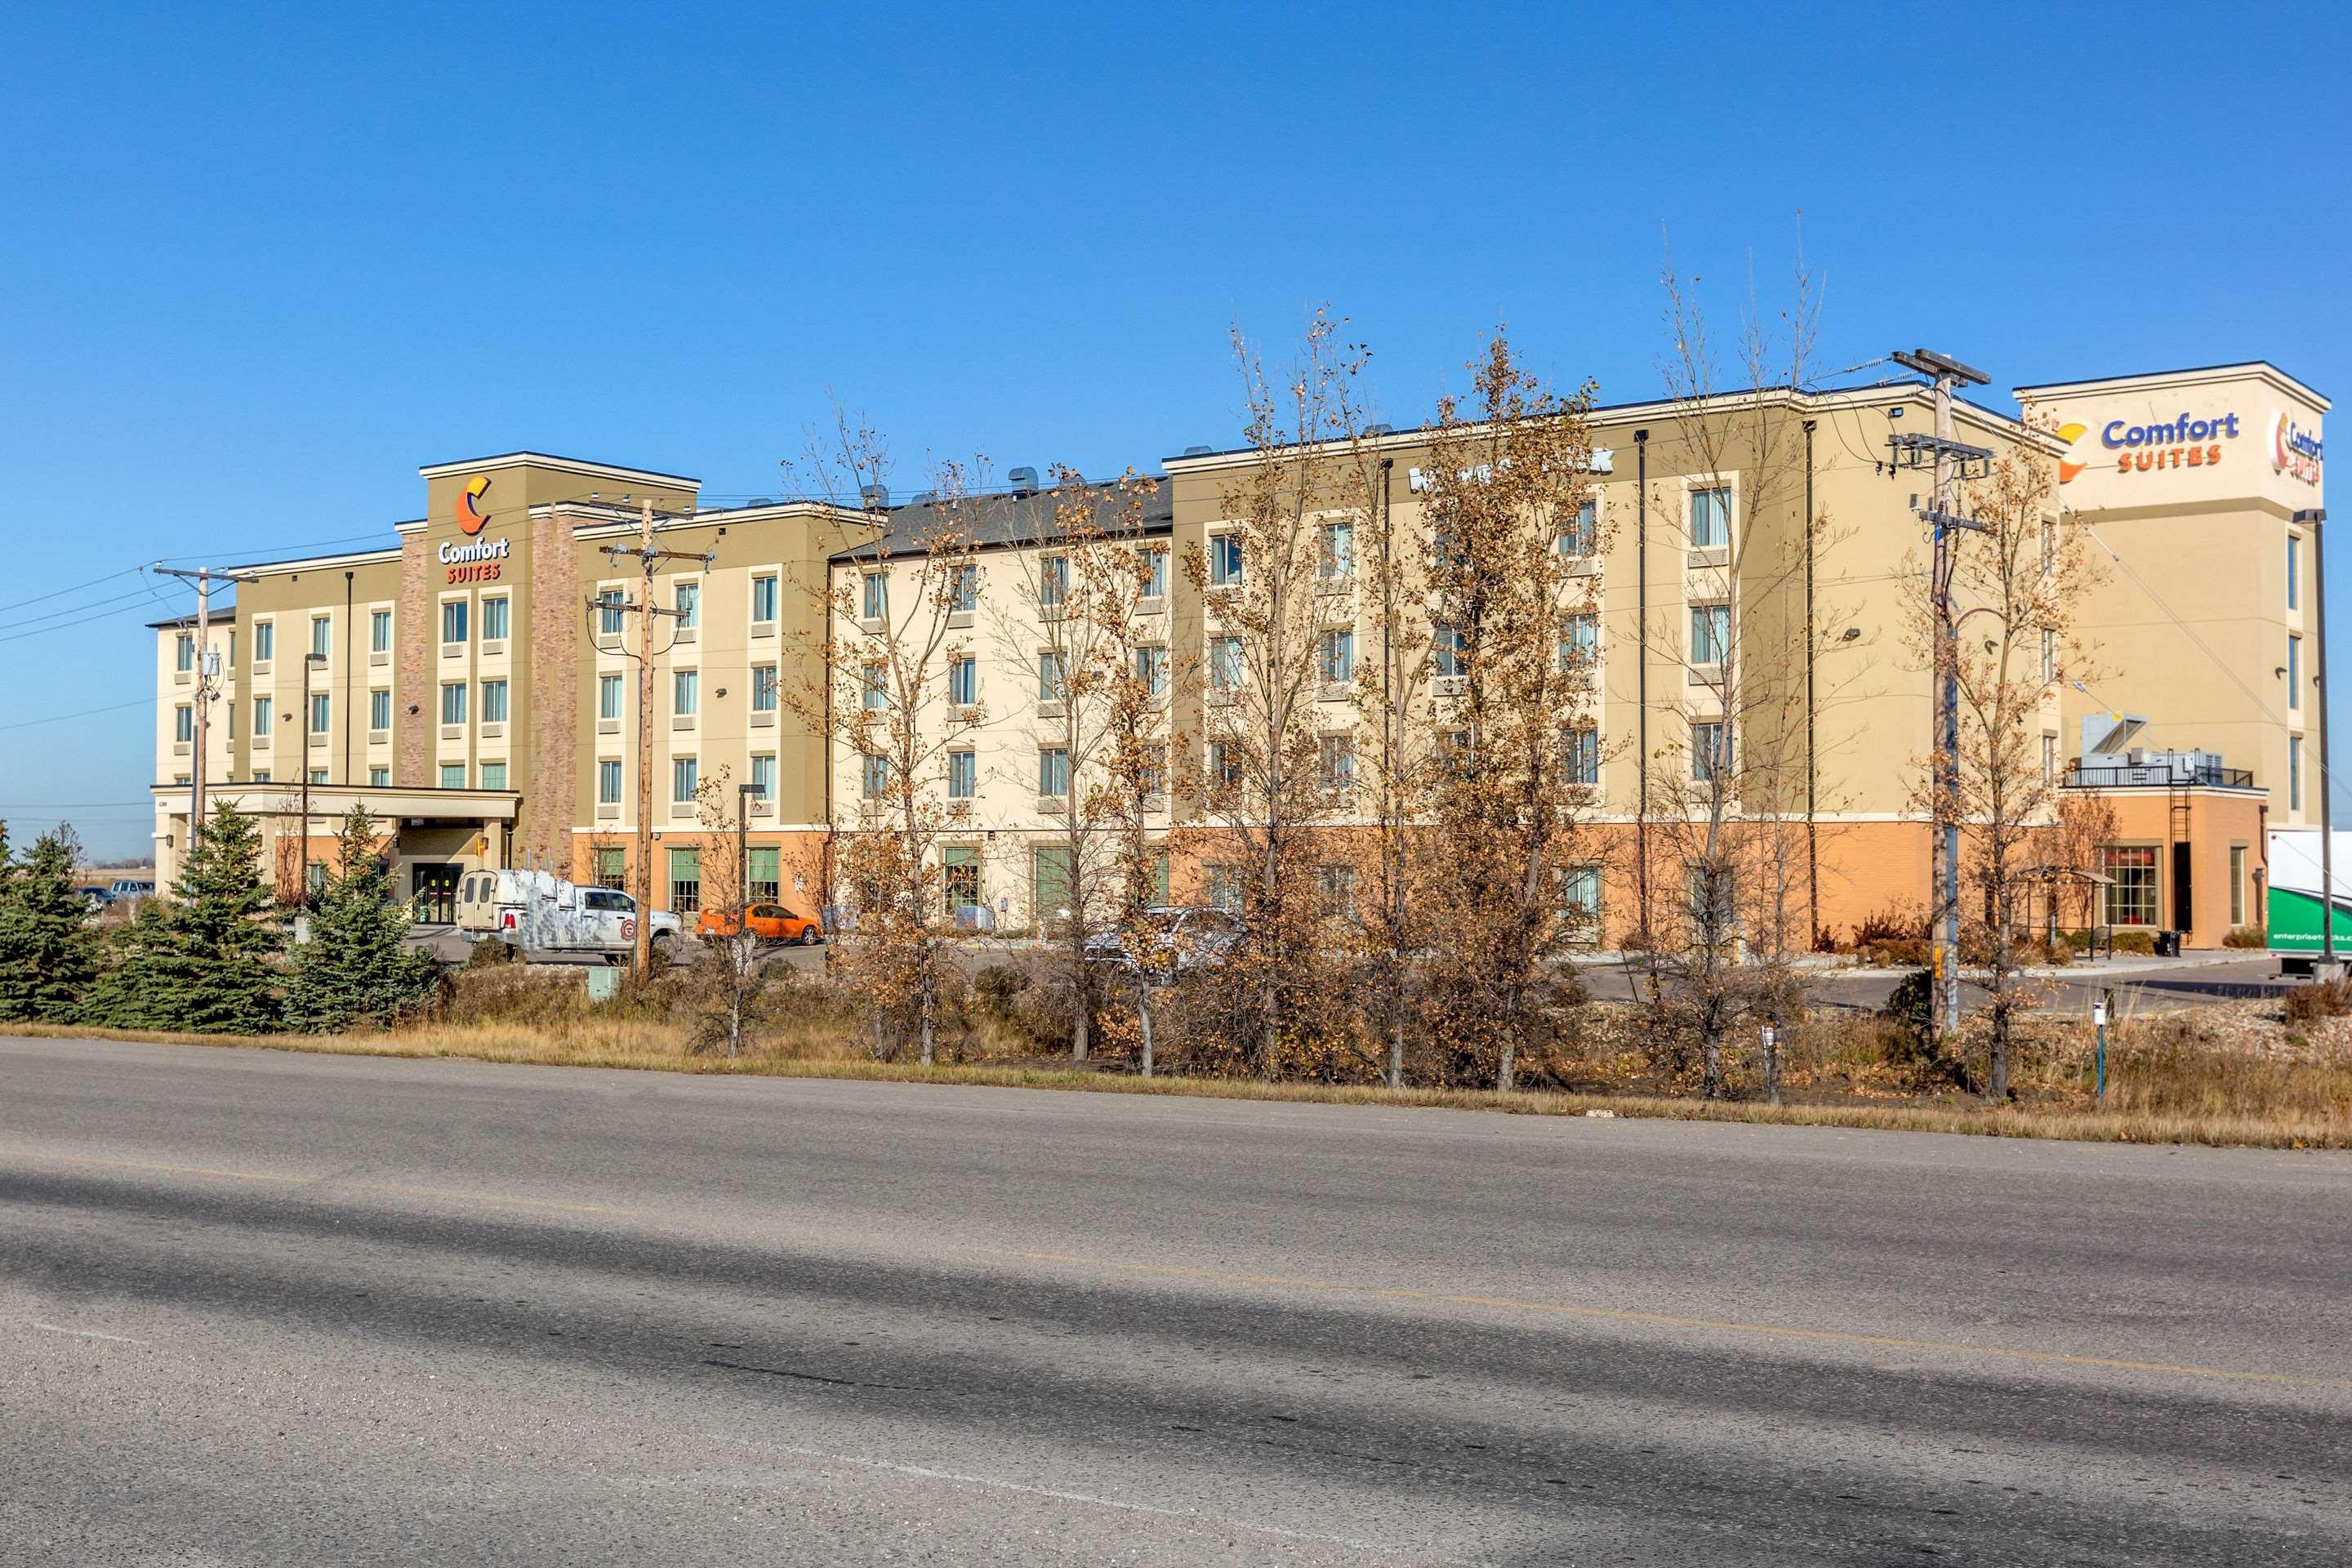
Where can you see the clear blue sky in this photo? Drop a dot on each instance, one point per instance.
(263, 261)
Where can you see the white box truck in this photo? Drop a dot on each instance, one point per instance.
(539, 912)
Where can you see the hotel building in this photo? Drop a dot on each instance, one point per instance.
(472, 681)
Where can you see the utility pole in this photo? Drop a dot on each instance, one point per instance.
(649, 561)
(207, 673)
(1952, 462)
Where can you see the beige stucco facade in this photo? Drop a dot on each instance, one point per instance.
(2206, 606)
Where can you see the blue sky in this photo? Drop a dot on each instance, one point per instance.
(262, 262)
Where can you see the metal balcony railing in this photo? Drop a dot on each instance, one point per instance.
(2162, 776)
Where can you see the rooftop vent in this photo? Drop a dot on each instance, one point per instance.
(1383, 428)
(760, 500)
(1024, 481)
(874, 496)
(1198, 451)
(925, 498)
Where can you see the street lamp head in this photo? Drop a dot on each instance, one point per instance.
(318, 660)
(2312, 514)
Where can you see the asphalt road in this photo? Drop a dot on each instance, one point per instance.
(267, 1307)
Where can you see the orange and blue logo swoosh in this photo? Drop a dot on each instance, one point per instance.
(471, 519)
(2070, 434)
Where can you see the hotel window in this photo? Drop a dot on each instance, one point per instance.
(318, 776)
(763, 598)
(964, 680)
(763, 688)
(265, 641)
(612, 869)
(1710, 750)
(494, 619)
(766, 878)
(453, 776)
(1579, 898)
(1049, 677)
(452, 703)
(686, 880)
(2048, 545)
(380, 631)
(228, 711)
(2294, 572)
(2050, 760)
(379, 778)
(183, 724)
(2294, 673)
(1446, 653)
(1336, 655)
(494, 698)
(321, 636)
(321, 709)
(1225, 560)
(1335, 554)
(608, 781)
(686, 693)
(260, 776)
(1579, 637)
(873, 775)
(494, 775)
(967, 590)
(873, 603)
(874, 685)
(229, 639)
(2237, 884)
(183, 653)
(960, 876)
(1053, 771)
(1225, 772)
(2131, 886)
(1225, 668)
(1580, 756)
(1225, 887)
(608, 697)
(2049, 656)
(1336, 756)
(688, 600)
(1581, 537)
(2295, 773)
(685, 779)
(1710, 518)
(1049, 880)
(963, 775)
(453, 620)
(763, 778)
(1053, 583)
(1335, 887)
(1154, 575)
(608, 612)
(1151, 668)
(1152, 775)
(260, 717)
(1710, 634)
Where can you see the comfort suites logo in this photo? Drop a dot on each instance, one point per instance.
(2295, 451)
(2067, 467)
(471, 519)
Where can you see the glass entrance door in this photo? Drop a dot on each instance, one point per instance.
(433, 893)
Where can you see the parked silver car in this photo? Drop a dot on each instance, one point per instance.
(1176, 937)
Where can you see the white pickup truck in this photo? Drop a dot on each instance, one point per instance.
(539, 912)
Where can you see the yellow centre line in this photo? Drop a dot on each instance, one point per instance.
(1664, 1319)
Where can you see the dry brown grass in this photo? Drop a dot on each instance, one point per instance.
(2164, 1088)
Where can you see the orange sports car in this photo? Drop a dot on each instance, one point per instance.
(768, 923)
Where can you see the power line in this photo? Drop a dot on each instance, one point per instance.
(61, 593)
(84, 713)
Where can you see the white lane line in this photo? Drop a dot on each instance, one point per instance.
(87, 1334)
(994, 1484)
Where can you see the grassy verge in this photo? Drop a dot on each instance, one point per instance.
(812, 1054)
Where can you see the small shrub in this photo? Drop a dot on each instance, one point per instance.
(2320, 999)
(996, 991)
(2248, 936)
(2140, 942)
(1896, 922)
(492, 952)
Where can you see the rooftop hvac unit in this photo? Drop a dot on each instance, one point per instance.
(875, 496)
(1198, 451)
(1024, 481)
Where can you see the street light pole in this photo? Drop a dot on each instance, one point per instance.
(310, 661)
(2315, 516)
(744, 794)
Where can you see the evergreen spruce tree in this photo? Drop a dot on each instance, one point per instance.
(202, 963)
(358, 966)
(134, 989)
(48, 955)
